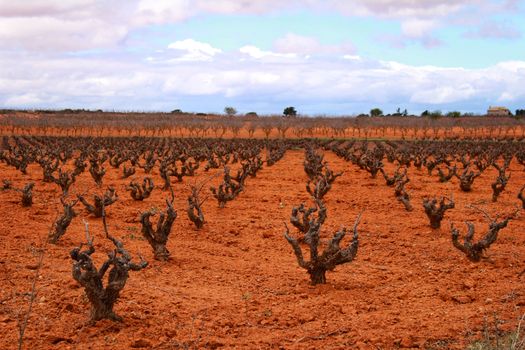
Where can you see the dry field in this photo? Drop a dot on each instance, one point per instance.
(236, 283)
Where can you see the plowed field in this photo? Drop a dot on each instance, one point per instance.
(236, 283)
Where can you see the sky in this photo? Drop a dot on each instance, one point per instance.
(324, 57)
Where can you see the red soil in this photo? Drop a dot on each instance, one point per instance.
(236, 283)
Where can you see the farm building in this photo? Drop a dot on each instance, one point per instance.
(498, 111)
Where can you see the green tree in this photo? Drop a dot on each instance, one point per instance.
(454, 114)
(435, 114)
(289, 112)
(230, 111)
(376, 112)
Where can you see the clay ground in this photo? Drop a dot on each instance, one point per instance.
(236, 283)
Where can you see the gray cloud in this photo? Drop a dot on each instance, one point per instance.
(41, 8)
(90, 24)
(494, 30)
(402, 8)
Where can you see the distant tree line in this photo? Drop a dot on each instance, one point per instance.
(231, 111)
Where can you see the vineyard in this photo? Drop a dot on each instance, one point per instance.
(169, 242)
(100, 124)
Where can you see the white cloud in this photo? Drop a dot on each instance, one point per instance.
(506, 97)
(443, 94)
(293, 43)
(257, 53)
(246, 78)
(199, 84)
(194, 50)
(34, 34)
(23, 100)
(417, 28)
(513, 66)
